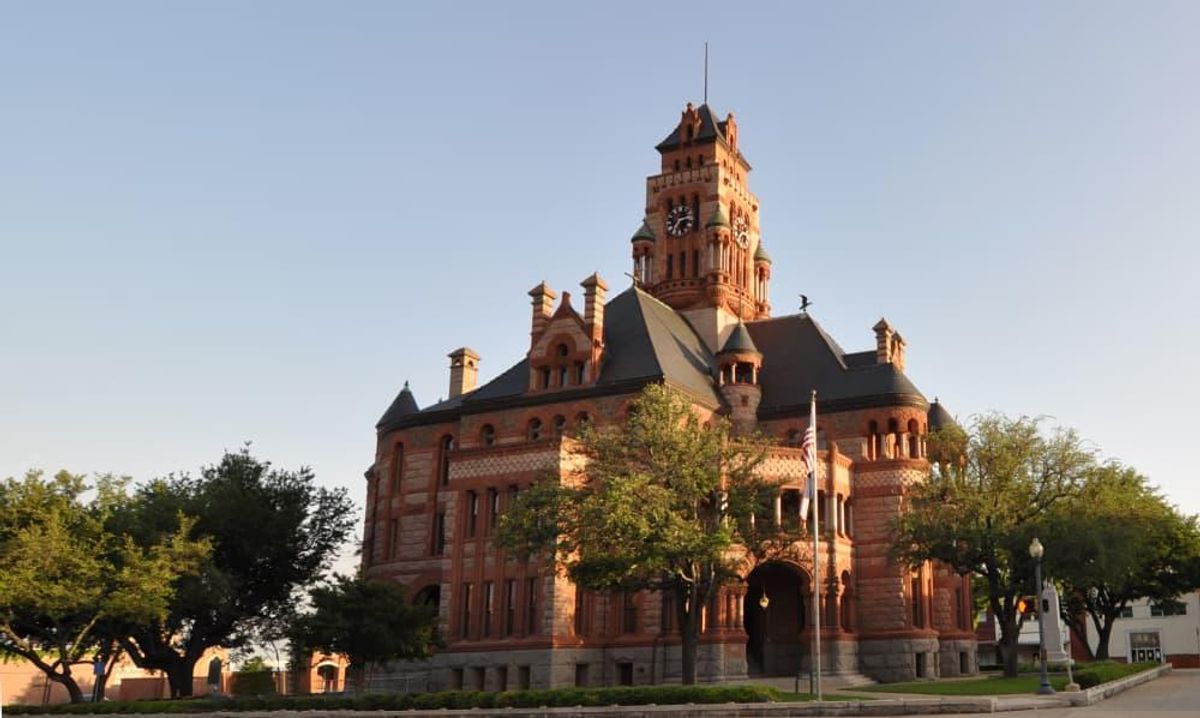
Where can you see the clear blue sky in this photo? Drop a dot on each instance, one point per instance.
(229, 222)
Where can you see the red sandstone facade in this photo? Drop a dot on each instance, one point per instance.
(698, 318)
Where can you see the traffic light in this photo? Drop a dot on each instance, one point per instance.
(1027, 606)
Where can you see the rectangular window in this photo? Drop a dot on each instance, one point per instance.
(523, 678)
(493, 508)
(501, 678)
(397, 469)
(580, 618)
(919, 664)
(1126, 612)
(394, 539)
(532, 606)
(695, 263)
(959, 616)
(510, 606)
(628, 613)
(670, 269)
(964, 663)
(439, 533)
(464, 626)
(625, 674)
(917, 614)
(480, 675)
(472, 512)
(456, 678)
(682, 265)
(666, 620)
(489, 607)
(1170, 607)
(581, 674)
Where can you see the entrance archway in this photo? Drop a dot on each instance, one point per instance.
(774, 646)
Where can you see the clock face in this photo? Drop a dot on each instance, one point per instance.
(680, 220)
(741, 232)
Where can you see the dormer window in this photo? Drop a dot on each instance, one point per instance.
(545, 378)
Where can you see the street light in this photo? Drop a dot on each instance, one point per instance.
(1035, 552)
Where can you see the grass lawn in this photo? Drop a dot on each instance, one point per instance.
(990, 686)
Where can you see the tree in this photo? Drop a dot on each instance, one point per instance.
(368, 622)
(987, 493)
(65, 576)
(663, 502)
(273, 533)
(1119, 541)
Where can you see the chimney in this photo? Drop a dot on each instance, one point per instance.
(543, 305)
(594, 290)
(464, 370)
(883, 342)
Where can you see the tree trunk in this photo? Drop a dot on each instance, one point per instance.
(179, 675)
(1009, 633)
(688, 611)
(68, 681)
(1105, 632)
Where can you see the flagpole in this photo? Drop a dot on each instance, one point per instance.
(816, 532)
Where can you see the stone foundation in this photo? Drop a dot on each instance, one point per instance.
(904, 659)
(957, 658)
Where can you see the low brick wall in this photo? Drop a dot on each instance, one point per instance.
(1106, 690)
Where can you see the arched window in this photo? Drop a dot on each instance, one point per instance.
(582, 419)
(873, 440)
(560, 425)
(447, 445)
(689, 163)
(562, 350)
(676, 165)
(534, 431)
(914, 439)
(564, 375)
(487, 435)
(794, 437)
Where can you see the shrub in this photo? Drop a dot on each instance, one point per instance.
(1090, 675)
(564, 697)
(253, 683)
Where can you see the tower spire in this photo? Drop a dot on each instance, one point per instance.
(706, 72)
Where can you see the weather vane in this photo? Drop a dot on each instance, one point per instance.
(804, 303)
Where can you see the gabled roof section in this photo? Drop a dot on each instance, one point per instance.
(403, 405)
(710, 130)
(648, 340)
(799, 356)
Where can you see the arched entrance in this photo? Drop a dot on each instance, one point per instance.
(430, 597)
(773, 643)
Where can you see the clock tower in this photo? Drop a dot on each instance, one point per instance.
(699, 249)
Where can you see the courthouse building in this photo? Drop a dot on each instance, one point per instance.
(699, 319)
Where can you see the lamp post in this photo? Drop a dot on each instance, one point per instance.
(1035, 552)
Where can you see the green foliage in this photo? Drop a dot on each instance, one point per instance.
(1093, 674)
(67, 573)
(255, 663)
(986, 497)
(273, 533)
(562, 697)
(253, 683)
(663, 501)
(1123, 539)
(366, 621)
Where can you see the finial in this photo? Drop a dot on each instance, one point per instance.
(406, 385)
(706, 72)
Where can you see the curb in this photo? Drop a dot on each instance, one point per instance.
(1106, 690)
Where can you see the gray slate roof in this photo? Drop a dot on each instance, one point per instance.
(739, 341)
(939, 417)
(798, 356)
(647, 341)
(710, 129)
(403, 405)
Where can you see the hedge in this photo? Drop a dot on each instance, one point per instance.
(1093, 674)
(635, 695)
(253, 683)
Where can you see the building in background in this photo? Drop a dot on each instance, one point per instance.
(698, 318)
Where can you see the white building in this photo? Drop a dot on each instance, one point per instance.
(1148, 632)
